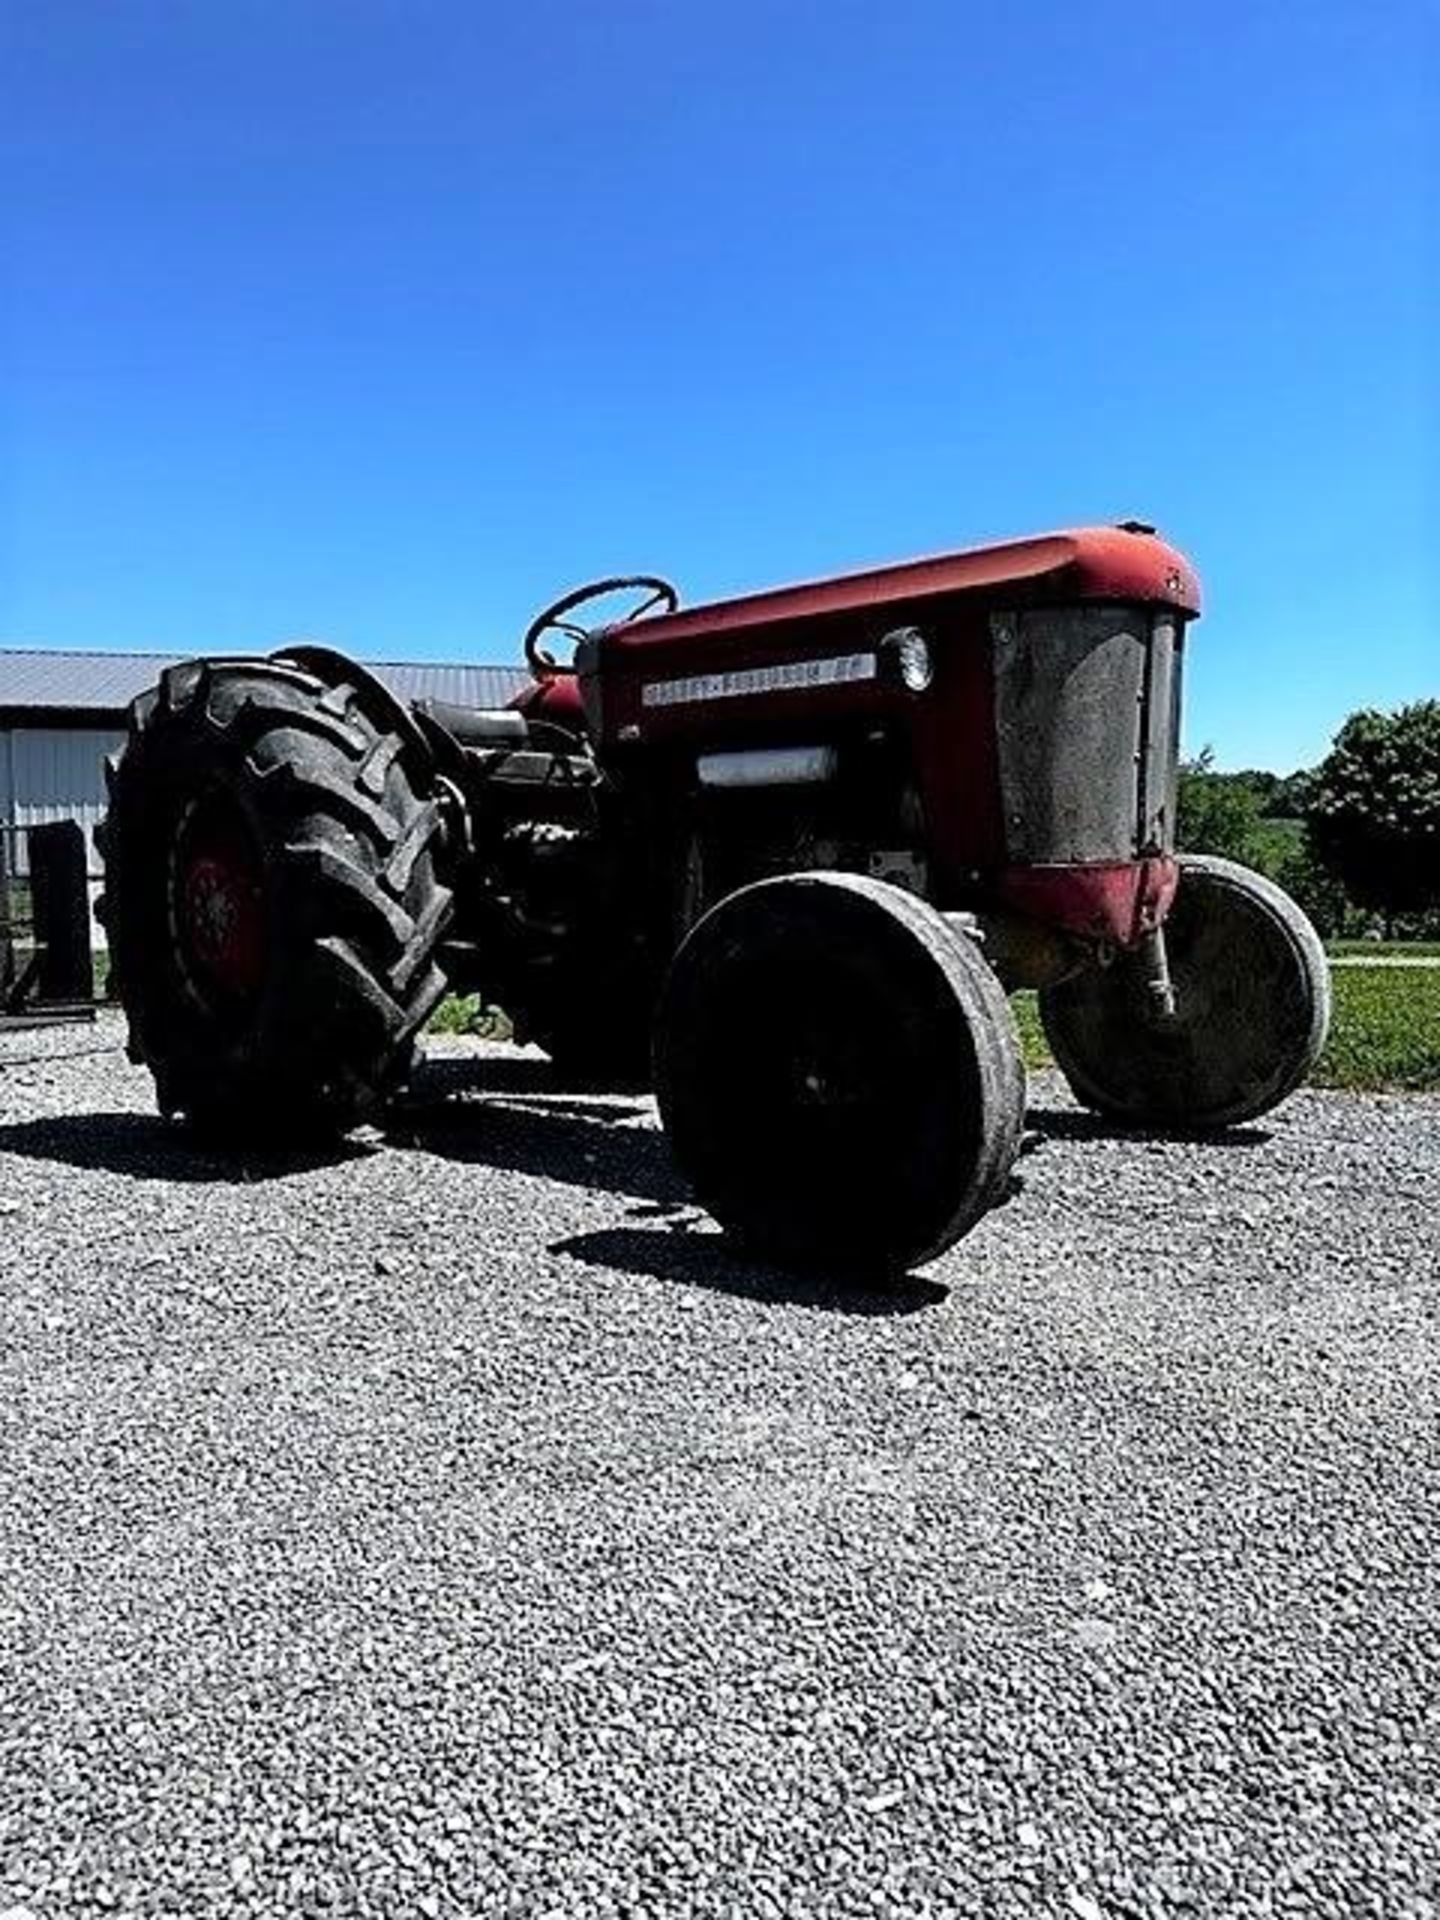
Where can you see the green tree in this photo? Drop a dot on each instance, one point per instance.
(1374, 810)
(1218, 812)
(1290, 799)
(1262, 784)
(1315, 890)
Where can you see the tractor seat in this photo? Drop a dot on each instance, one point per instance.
(477, 726)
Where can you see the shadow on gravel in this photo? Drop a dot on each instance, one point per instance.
(522, 1115)
(565, 1137)
(440, 1076)
(705, 1260)
(144, 1147)
(1062, 1123)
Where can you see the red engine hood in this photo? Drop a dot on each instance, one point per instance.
(1090, 563)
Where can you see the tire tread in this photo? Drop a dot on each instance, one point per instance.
(352, 843)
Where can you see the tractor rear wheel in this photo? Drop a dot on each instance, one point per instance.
(271, 899)
(1252, 1009)
(838, 1073)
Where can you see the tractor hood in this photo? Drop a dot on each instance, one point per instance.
(656, 677)
(1091, 563)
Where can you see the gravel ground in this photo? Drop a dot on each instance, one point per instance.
(452, 1527)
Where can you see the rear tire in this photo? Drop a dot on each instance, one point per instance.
(1252, 1009)
(271, 899)
(838, 1073)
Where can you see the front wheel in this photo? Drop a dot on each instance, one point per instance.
(838, 1073)
(1252, 1009)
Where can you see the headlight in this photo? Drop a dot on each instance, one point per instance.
(909, 651)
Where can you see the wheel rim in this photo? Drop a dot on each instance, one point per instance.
(218, 904)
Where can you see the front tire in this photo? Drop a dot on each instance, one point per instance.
(271, 899)
(1252, 1010)
(838, 1073)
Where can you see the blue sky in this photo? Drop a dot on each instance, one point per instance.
(386, 321)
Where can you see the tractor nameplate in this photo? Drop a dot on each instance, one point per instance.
(787, 676)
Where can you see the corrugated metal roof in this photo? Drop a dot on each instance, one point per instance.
(466, 686)
(39, 678)
(104, 681)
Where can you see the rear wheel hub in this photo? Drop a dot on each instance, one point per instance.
(218, 900)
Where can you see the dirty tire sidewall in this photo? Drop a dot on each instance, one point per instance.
(1252, 988)
(838, 1073)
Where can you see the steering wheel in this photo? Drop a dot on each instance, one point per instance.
(553, 620)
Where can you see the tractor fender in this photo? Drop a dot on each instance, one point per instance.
(385, 709)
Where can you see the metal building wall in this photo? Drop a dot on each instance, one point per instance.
(55, 773)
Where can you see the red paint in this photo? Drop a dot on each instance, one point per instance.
(556, 697)
(949, 595)
(1091, 563)
(952, 738)
(950, 727)
(1116, 903)
(222, 910)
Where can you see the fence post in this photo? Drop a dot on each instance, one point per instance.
(60, 902)
(7, 938)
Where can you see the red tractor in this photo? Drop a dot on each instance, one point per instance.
(789, 852)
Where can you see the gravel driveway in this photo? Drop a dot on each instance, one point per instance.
(452, 1527)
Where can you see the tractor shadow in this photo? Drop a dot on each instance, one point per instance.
(680, 1255)
(1066, 1123)
(521, 1116)
(142, 1146)
(524, 1117)
(439, 1077)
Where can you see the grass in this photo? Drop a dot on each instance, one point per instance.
(1383, 949)
(1384, 1036)
(1026, 1009)
(467, 1013)
(1386, 1030)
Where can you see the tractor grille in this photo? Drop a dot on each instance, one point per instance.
(1087, 713)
